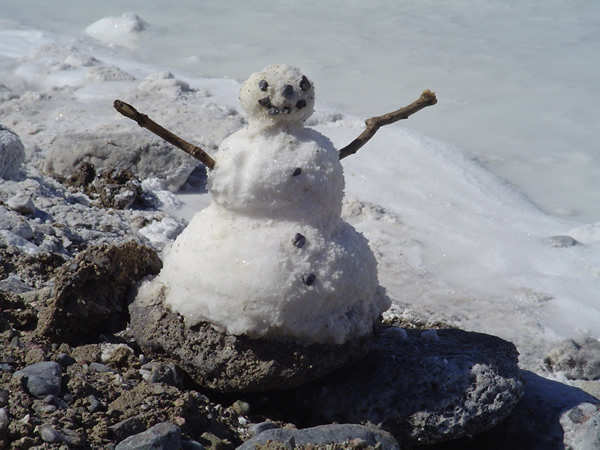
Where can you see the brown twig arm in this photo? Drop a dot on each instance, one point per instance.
(427, 98)
(145, 122)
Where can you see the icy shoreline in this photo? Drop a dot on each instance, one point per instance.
(453, 242)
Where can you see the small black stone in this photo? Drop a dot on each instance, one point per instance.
(273, 111)
(263, 85)
(265, 101)
(288, 91)
(299, 240)
(304, 84)
(286, 110)
(297, 171)
(309, 279)
(301, 104)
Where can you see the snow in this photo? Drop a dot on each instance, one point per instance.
(454, 242)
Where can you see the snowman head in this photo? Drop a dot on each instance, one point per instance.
(280, 94)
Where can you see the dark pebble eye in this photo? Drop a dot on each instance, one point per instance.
(263, 85)
(299, 240)
(273, 111)
(286, 110)
(304, 83)
(309, 279)
(266, 102)
(301, 104)
(288, 91)
(297, 172)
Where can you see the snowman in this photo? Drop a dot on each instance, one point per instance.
(271, 257)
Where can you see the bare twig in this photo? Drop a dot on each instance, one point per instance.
(145, 122)
(374, 123)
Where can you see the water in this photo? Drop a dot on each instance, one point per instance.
(516, 80)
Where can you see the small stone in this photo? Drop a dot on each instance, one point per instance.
(288, 91)
(258, 428)
(300, 104)
(309, 279)
(304, 84)
(273, 111)
(286, 110)
(297, 171)
(65, 360)
(12, 153)
(4, 420)
(41, 379)
(22, 204)
(263, 85)
(190, 444)
(161, 436)
(101, 368)
(126, 428)
(561, 241)
(299, 240)
(50, 435)
(95, 404)
(265, 101)
(323, 437)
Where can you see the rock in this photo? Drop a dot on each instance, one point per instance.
(41, 379)
(164, 436)
(325, 435)
(12, 154)
(550, 416)
(126, 428)
(422, 390)
(22, 204)
(575, 359)
(140, 153)
(91, 292)
(561, 241)
(229, 363)
(258, 428)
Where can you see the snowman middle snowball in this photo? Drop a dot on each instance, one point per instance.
(271, 257)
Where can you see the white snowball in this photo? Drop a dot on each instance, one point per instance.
(12, 154)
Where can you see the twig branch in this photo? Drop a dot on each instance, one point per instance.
(145, 122)
(374, 123)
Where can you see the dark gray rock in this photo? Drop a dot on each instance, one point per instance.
(257, 428)
(423, 389)
(41, 379)
(12, 153)
(325, 435)
(230, 363)
(21, 203)
(576, 359)
(91, 292)
(561, 241)
(550, 416)
(140, 153)
(163, 436)
(128, 427)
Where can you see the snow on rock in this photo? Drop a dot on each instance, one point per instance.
(271, 255)
(12, 153)
(125, 30)
(142, 154)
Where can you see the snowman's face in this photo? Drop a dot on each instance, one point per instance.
(280, 94)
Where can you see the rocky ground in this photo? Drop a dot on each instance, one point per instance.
(73, 248)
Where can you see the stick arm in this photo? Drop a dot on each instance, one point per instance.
(427, 98)
(145, 122)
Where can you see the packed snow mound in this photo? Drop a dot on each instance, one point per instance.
(12, 153)
(271, 255)
(124, 30)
